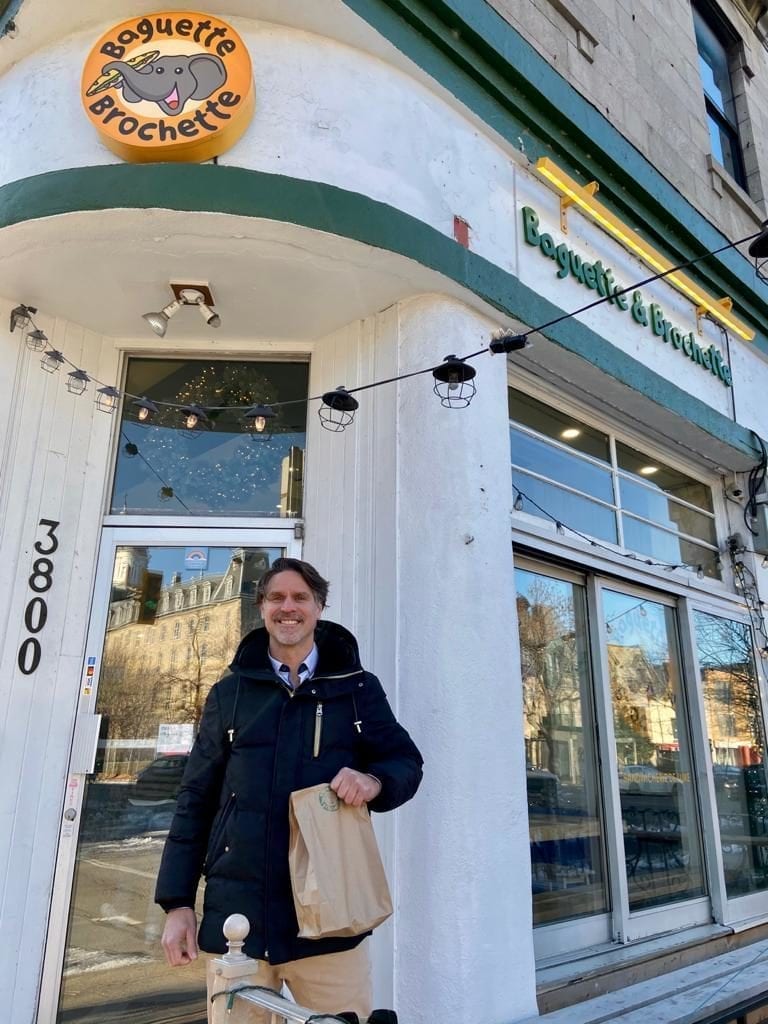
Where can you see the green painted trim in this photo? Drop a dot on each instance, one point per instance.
(468, 48)
(240, 192)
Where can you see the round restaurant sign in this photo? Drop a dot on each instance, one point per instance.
(170, 86)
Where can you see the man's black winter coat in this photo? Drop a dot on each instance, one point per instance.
(231, 821)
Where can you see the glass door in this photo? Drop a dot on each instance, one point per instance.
(170, 608)
(570, 890)
(660, 831)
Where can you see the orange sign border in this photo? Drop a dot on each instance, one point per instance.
(202, 128)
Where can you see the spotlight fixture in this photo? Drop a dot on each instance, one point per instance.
(185, 295)
(518, 506)
(159, 321)
(454, 384)
(36, 340)
(77, 382)
(52, 360)
(337, 410)
(143, 410)
(211, 318)
(108, 399)
(193, 419)
(257, 422)
(21, 316)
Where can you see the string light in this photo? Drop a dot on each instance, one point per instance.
(454, 379)
(52, 360)
(194, 418)
(21, 316)
(338, 410)
(108, 399)
(144, 410)
(257, 419)
(454, 383)
(36, 340)
(77, 382)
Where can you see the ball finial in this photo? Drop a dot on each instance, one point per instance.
(236, 928)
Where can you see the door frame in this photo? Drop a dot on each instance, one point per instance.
(280, 533)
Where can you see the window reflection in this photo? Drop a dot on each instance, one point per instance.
(165, 468)
(662, 846)
(557, 477)
(737, 746)
(173, 625)
(566, 837)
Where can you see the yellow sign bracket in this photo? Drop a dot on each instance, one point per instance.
(573, 193)
(725, 304)
(586, 192)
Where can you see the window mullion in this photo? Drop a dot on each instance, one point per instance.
(616, 489)
(607, 765)
(705, 788)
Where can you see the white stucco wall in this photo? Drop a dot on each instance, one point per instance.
(463, 846)
(54, 452)
(328, 112)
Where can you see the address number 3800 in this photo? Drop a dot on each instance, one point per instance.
(39, 582)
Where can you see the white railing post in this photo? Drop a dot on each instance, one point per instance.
(230, 970)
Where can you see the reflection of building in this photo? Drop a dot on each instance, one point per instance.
(160, 665)
(733, 715)
(645, 718)
(292, 482)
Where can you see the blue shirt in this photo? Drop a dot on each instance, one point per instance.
(305, 671)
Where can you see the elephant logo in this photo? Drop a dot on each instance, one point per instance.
(169, 81)
(170, 86)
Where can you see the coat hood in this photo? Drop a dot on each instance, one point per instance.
(336, 646)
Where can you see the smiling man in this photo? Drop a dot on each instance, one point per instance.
(297, 709)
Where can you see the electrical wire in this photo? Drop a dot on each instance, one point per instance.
(522, 337)
(562, 526)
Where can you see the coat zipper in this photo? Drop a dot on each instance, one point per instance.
(318, 729)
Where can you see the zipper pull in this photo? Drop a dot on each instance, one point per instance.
(318, 729)
(230, 733)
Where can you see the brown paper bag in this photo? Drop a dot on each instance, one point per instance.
(339, 885)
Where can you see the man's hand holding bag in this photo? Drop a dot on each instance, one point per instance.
(339, 885)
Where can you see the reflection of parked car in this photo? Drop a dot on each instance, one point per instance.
(159, 782)
(543, 789)
(646, 778)
(729, 779)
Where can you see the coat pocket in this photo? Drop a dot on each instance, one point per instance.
(218, 830)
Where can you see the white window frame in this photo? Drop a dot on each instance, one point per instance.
(550, 552)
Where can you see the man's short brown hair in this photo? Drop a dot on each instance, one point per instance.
(308, 573)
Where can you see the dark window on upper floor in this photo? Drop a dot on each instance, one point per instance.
(718, 47)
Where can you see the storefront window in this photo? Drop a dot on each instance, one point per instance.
(567, 858)
(568, 472)
(662, 846)
(736, 736)
(220, 469)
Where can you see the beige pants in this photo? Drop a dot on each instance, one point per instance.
(327, 984)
